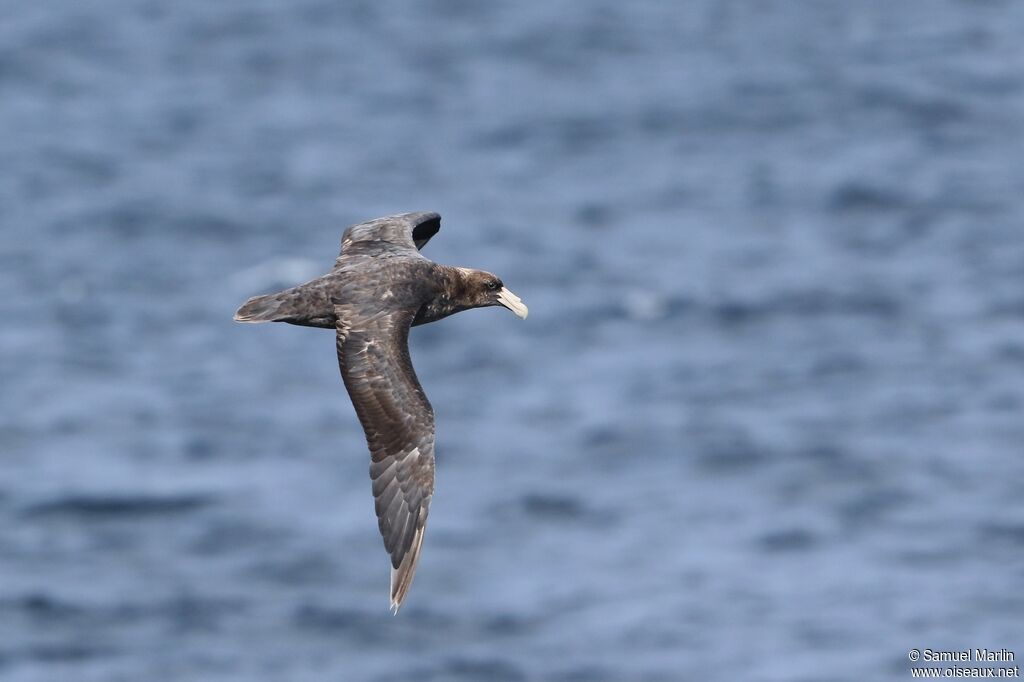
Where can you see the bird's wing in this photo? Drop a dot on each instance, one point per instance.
(406, 232)
(373, 353)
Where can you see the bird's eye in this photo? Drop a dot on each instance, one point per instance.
(492, 285)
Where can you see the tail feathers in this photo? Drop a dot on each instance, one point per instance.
(261, 309)
(401, 577)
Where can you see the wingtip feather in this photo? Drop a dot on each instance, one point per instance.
(401, 577)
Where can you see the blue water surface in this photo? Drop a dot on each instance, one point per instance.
(763, 422)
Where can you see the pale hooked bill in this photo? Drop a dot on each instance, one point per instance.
(513, 303)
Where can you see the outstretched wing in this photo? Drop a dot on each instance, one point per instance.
(373, 353)
(407, 232)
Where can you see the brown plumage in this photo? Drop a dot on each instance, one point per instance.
(381, 286)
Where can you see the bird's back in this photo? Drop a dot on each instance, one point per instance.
(387, 281)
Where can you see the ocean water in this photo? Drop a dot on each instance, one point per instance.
(764, 419)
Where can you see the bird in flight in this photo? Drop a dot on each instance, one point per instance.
(379, 287)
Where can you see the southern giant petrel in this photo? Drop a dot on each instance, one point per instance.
(381, 286)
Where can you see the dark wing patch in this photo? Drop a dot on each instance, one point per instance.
(373, 353)
(426, 229)
(395, 234)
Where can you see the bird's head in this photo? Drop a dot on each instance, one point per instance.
(480, 289)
